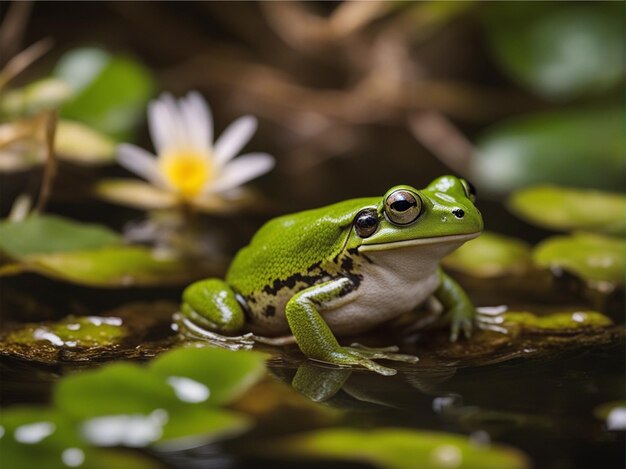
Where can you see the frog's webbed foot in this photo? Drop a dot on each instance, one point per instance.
(192, 330)
(491, 318)
(359, 355)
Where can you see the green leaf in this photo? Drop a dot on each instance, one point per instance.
(36, 437)
(72, 331)
(111, 92)
(559, 50)
(116, 266)
(116, 389)
(595, 258)
(560, 208)
(491, 255)
(194, 426)
(77, 143)
(582, 148)
(225, 374)
(40, 234)
(401, 449)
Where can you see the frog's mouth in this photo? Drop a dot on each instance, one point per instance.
(454, 239)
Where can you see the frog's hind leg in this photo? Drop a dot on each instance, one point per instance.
(210, 308)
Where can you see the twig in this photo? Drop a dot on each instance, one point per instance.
(22, 60)
(13, 27)
(50, 168)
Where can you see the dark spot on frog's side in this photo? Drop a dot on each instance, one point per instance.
(269, 311)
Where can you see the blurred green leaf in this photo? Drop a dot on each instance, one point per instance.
(401, 449)
(111, 92)
(561, 208)
(40, 95)
(225, 375)
(41, 234)
(71, 331)
(118, 388)
(583, 148)
(80, 144)
(116, 266)
(37, 437)
(559, 50)
(593, 257)
(491, 255)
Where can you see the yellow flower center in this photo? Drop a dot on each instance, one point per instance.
(187, 171)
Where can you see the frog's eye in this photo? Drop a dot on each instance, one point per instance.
(403, 207)
(366, 222)
(470, 191)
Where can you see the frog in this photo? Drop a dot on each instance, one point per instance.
(345, 269)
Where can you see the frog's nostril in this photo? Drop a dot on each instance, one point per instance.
(458, 213)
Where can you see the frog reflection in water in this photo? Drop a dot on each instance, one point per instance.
(344, 269)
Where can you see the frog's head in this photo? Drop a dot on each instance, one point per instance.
(443, 212)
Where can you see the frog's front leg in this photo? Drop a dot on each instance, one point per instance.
(212, 304)
(457, 306)
(315, 338)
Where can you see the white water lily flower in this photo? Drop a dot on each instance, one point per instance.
(187, 162)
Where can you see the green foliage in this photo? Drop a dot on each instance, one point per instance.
(491, 255)
(583, 148)
(43, 234)
(559, 50)
(110, 92)
(593, 257)
(560, 208)
(394, 448)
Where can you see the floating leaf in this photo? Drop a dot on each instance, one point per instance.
(225, 375)
(39, 234)
(111, 92)
(38, 96)
(77, 143)
(491, 255)
(116, 266)
(38, 437)
(72, 331)
(116, 389)
(560, 208)
(582, 148)
(596, 258)
(401, 449)
(557, 322)
(559, 51)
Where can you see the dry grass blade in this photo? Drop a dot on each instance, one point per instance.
(50, 168)
(23, 60)
(13, 27)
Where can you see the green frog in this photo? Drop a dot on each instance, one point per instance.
(344, 269)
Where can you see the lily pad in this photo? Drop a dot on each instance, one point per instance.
(561, 208)
(72, 331)
(395, 448)
(491, 255)
(115, 266)
(110, 92)
(600, 260)
(115, 389)
(224, 375)
(559, 50)
(580, 148)
(556, 322)
(40, 234)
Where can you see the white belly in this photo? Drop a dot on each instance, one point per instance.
(395, 283)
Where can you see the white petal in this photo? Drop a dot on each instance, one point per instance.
(140, 162)
(234, 138)
(241, 170)
(197, 120)
(164, 123)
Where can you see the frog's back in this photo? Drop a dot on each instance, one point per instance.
(291, 246)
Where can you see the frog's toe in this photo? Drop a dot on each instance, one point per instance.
(491, 319)
(382, 354)
(380, 369)
(391, 348)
